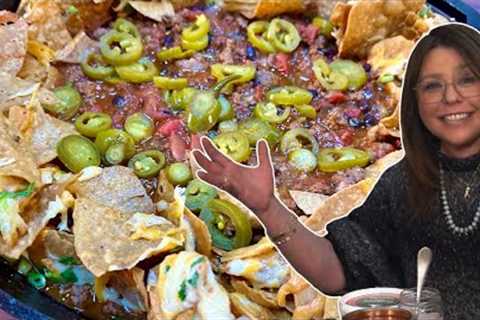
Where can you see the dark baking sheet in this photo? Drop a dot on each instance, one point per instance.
(24, 302)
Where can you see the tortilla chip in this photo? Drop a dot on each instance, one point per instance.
(369, 21)
(157, 11)
(21, 119)
(15, 159)
(389, 56)
(54, 243)
(293, 285)
(44, 206)
(261, 247)
(103, 239)
(185, 281)
(131, 287)
(265, 8)
(389, 125)
(41, 52)
(165, 190)
(259, 296)
(7, 17)
(242, 305)
(180, 4)
(150, 227)
(177, 4)
(74, 51)
(309, 304)
(153, 294)
(13, 38)
(339, 204)
(116, 187)
(379, 132)
(46, 132)
(269, 270)
(307, 201)
(331, 308)
(47, 25)
(393, 120)
(16, 91)
(339, 14)
(17, 171)
(376, 169)
(51, 247)
(32, 70)
(203, 239)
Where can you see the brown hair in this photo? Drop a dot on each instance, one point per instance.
(421, 146)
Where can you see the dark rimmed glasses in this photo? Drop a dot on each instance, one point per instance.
(433, 90)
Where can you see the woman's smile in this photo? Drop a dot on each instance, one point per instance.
(449, 101)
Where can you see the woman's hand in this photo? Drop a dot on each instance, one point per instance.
(252, 185)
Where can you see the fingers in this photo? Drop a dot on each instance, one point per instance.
(203, 161)
(215, 180)
(212, 152)
(263, 155)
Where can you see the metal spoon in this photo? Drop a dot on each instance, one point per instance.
(424, 258)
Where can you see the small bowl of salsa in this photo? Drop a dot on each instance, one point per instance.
(379, 314)
(369, 298)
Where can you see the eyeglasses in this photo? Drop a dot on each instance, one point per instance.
(433, 90)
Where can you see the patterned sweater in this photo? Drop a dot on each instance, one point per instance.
(378, 242)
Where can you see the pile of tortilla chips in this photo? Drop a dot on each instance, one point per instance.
(104, 220)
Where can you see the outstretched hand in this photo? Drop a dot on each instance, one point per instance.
(252, 185)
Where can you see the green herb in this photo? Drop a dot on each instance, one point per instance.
(386, 78)
(18, 194)
(24, 266)
(72, 9)
(53, 276)
(182, 293)
(425, 12)
(193, 281)
(167, 268)
(68, 276)
(197, 261)
(68, 261)
(36, 279)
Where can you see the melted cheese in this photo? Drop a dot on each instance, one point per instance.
(182, 286)
(267, 271)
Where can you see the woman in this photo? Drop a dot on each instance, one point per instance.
(430, 198)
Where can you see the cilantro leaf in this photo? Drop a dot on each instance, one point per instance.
(68, 261)
(68, 276)
(72, 9)
(197, 261)
(17, 194)
(193, 281)
(182, 293)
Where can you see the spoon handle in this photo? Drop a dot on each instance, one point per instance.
(424, 258)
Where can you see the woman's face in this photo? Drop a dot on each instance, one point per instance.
(448, 95)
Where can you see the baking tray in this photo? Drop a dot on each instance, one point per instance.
(24, 302)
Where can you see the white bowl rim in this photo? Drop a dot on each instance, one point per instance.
(368, 291)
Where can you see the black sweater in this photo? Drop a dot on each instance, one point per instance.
(378, 242)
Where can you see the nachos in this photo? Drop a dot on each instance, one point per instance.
(102, 101)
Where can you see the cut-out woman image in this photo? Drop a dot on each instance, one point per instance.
(430, 198)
